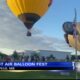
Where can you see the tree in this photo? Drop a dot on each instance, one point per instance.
(15, 55)
(43, 59)
(35, 57)
(27, 58)
(67, 58)
(51, 57)
(2, 56)
(79, 57)
(72, 57)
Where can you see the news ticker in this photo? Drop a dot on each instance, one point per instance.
(37, 66)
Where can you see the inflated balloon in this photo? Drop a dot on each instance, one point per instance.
(68, 27)
(29, 11)
(69, 34)
(72, 42)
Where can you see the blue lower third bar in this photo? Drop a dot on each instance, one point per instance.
(39, 65)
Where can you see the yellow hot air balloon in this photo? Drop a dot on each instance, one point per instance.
(29, 11)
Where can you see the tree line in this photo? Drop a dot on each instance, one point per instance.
(34, 57)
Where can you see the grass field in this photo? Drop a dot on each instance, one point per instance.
(36, 75)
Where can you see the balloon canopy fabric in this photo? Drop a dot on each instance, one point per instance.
(68, 27)
(72, 42)
(29, 11)
(78, 28)
(69, 36)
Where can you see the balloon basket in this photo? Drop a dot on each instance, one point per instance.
(28, 34)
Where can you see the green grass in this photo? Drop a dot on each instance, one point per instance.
(36, 75)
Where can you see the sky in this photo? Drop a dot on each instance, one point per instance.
(47, 33)
(60, 12)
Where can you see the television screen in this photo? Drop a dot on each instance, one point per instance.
(39, 39)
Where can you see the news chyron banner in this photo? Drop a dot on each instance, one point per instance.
(37, 66)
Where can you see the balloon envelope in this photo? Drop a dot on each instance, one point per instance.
(29, 11)
(69, 36)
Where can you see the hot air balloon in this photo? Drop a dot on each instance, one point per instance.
(69, 34)
(29, 11)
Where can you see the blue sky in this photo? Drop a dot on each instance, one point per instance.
(60, 11)
(47, 33)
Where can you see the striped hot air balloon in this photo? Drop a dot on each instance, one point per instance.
(70, 36)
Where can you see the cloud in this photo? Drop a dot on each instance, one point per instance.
(13, 35)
